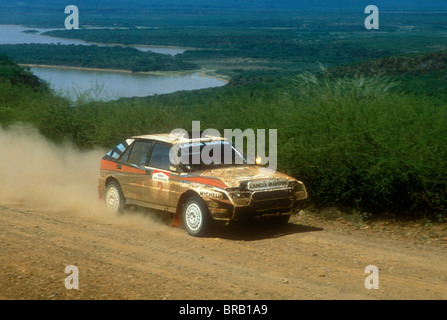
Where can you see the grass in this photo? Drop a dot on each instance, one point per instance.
(361, 144)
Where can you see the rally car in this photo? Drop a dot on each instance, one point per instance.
(140, 171)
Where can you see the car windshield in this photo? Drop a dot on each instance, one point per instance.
(213, 154)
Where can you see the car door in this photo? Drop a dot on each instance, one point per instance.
(163, 190)
(134, 176)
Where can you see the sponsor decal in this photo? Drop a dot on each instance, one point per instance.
(210, 194)
(160, 176)
(267, 184)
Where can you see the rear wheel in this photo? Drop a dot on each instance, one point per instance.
(114, 197)
(196, 218)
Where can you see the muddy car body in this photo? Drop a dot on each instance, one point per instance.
(140, 172)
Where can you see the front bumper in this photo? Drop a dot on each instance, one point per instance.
(257, 204)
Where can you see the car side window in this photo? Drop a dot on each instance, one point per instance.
(139, 153)
(160, 157)
(125, 155)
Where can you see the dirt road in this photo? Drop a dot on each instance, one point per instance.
(139, 257)
(50, 218)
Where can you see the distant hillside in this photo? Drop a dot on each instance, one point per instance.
(211, 6)
(168, 13)
(119, 58)
(397, 65)
(422, 74)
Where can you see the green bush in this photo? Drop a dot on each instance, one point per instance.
(356, 143)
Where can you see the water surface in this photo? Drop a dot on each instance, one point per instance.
(103, 85)
(108, 85)
(13, 34)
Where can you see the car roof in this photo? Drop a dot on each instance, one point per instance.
(175, 138)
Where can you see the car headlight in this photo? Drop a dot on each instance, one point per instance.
(296, 186)
(239, 197)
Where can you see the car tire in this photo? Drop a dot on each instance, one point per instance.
(196, 218)
(114, 198)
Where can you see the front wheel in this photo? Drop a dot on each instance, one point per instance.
(196, 218)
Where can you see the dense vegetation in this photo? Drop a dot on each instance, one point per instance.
(398, 65)
(250, 55)
(118, 58)
(357, 142)
(16, 75)
(295, 48)
(417, 73)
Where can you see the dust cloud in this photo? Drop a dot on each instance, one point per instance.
(38, 174)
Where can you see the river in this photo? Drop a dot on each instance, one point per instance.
(111, 85)
(102, 84)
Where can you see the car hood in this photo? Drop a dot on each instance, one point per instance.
(233, 176)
